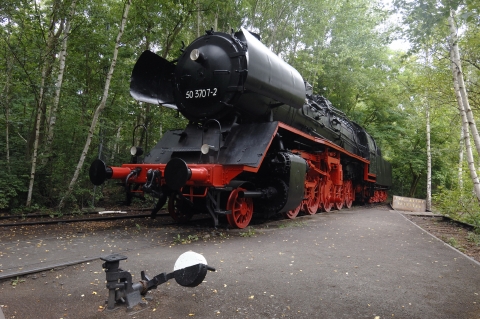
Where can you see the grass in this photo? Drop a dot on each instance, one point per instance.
(455, 244)
(184, 240)
(249, 233)
(16, 281)
(473, 238)
(452, 242)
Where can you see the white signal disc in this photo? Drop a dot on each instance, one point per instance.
(188, 259)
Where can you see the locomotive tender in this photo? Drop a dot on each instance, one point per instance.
(258, 140)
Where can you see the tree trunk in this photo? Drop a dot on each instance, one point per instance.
(53, 110)
(160, 111)
(470, 160)
(7, 111)
(99, 108)
(176, 30)
(115, 148)
(146, 119)
(199, 19)
(429, 162)
(458, 75)
(168, 43)
(460, 162)
(414, 184)
(47, 65)
(465, 122)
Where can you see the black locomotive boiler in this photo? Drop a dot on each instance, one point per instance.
(258, 141)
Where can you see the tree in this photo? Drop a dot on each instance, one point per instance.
(424, 25)
(46, 70)
(52, 113)
(463, 106)
(429, 160)
(100, 107)
(458, 77)
(338, 46)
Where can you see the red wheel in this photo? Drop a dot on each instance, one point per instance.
(312, 197)
(291, 214)
(327, 193)
(242, 210)
(384, 196)
(339, 197)
(349, 193)
(369, 197)
(179, 208)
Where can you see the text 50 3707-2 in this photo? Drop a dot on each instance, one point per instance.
(197, 94)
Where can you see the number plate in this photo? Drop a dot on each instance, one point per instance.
(201, 93)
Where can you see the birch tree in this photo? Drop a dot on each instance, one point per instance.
(46, 69)
(429, 160)
(5, 101)
(100, 107)
(466, 124)
(425, 24)
(52, 114)
(460, 161)
(459, 78)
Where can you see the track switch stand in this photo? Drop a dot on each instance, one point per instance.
(189, 271)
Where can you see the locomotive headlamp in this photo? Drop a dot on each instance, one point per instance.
(136, 151)
(196, 55)
(205, 148)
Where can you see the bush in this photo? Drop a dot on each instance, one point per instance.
(458, 204)
(11, 187)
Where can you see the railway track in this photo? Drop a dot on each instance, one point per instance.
(45, 219)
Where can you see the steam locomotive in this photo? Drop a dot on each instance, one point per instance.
(258, 140)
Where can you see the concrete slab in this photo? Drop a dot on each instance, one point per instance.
(409, 204)
(348, 264)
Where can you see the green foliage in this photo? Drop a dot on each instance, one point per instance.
(458, 204)
(7, 195)
(185, 240)
(423, 19)
(249, 233)
(16, 281)
(11, 186)
(341, 47)
(337, 45)
(453, 242)
(473, 238)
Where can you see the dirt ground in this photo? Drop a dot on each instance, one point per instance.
(460, 236)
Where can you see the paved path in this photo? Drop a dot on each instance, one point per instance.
(350, 264)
